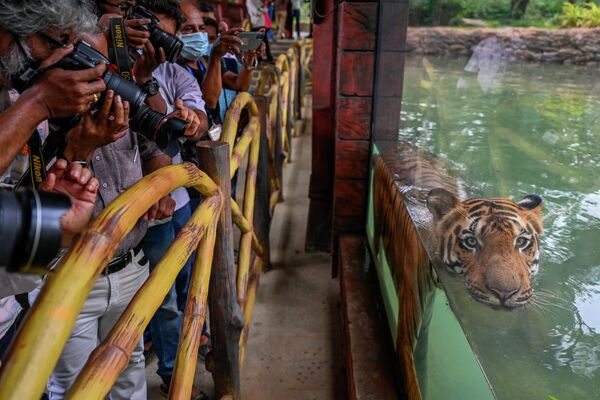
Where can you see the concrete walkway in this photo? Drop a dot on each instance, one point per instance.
(290, 352)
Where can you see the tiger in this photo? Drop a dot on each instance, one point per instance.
(493, 242)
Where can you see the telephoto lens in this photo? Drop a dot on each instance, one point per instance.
(30, 233)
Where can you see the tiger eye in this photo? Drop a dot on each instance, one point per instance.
(470, 241)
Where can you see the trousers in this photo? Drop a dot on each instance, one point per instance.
(106, 302)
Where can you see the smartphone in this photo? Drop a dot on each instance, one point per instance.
(250, 40)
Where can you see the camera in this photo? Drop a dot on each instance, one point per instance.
(30, 233)
(160, 128)
(171, 44)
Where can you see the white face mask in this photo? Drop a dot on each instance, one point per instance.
(195, 45)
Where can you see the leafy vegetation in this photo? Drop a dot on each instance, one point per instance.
(518, 13)
(586, 15)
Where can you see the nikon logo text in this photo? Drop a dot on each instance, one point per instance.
(119, 42)
(37, 168)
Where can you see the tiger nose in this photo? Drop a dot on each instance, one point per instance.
(504, 295)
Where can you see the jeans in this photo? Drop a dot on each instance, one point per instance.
(182, 284)
(106, 302)
(166, 323)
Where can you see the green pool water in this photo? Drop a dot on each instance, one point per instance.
(510, 131)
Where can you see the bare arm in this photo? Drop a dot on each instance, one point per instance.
(18, 122)
(242, 81)
(236, 82)
(211, 84)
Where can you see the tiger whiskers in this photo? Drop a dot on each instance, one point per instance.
(551, 302)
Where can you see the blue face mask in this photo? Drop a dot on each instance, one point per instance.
(195, 45)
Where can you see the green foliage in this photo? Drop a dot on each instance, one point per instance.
(580, 15)
(539, 13)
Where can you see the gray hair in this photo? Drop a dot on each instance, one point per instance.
(27, 17)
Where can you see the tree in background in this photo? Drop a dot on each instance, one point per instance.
(518, 7)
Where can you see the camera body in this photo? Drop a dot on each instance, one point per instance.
(171, 44)
(30, 234)
(160, 128)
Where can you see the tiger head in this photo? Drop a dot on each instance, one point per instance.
(494, 242)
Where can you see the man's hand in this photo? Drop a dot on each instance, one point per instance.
(249, 56)
(228, 42)
(191, 119)
(98, 128)
(136, 38)
(165, 206)
(147, 62)
(77, 183)
(161, 210)
(61, 93)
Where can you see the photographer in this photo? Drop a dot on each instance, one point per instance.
(58, 93)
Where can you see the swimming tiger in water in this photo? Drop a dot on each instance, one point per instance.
(493, 242)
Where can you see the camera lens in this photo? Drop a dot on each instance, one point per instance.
(128, 90)
(30, 233)
(160, 128)
(171, 44)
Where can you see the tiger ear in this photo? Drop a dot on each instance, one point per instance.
(532, 205)
(440, 202)
(531, 202)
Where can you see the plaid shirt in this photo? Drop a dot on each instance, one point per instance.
(117, 166)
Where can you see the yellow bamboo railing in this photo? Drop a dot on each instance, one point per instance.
(292, 114)
(282, 66)
(48, 325)
(249, 142)
(269, 87)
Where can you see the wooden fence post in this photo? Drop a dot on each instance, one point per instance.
(262, 212)
(226, 320)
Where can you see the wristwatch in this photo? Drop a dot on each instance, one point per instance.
(151, 87)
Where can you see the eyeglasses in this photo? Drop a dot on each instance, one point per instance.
(54, 42)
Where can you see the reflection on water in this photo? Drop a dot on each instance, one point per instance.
(536, 129)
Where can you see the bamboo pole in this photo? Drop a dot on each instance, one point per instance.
(249, 307)
(242, 223)
(96, 378)
(193, 320)
(232, 117)
(246, 239)
(251, 132)
(293, 79)
(34, 352)
(226, 319)
(262, 214)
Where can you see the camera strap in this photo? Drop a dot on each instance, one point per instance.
(120, 48)
(38, 154)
